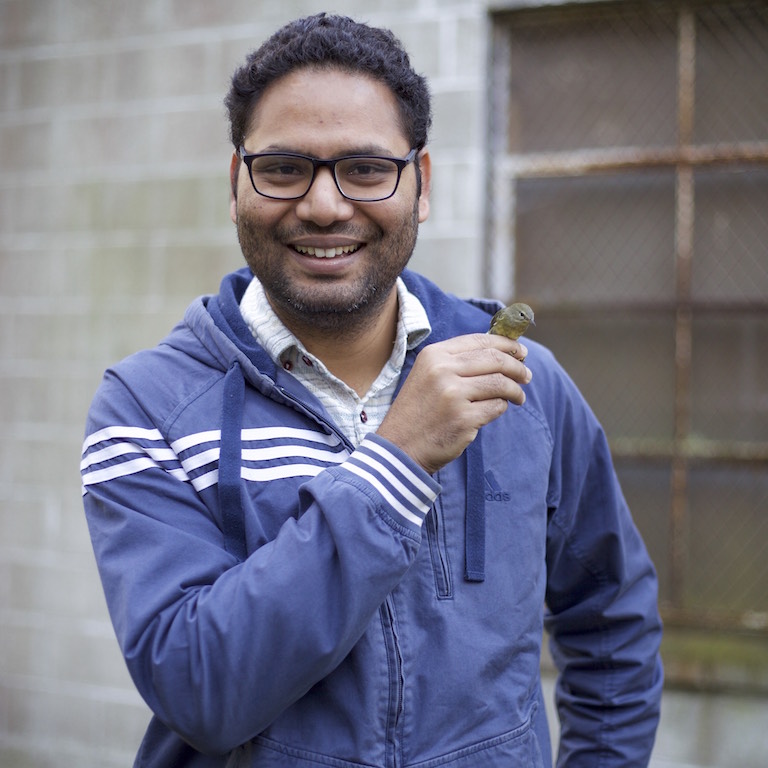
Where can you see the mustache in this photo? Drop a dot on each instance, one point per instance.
(286, 234)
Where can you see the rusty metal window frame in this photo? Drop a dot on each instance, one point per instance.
(506, 168)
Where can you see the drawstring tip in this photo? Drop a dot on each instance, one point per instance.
(474, 576)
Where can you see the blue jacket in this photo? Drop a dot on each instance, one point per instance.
(284, 599)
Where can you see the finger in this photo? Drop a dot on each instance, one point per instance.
(457, 395)
(519, 351)
(477, 373)
(495, 386)
(480, 362)
(474, 341)
(457, 344)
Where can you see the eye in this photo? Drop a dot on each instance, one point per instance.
(367, 170)
(280, 169)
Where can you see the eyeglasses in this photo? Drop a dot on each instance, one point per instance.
(289, 176)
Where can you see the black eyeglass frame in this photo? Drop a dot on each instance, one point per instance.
(400, 162)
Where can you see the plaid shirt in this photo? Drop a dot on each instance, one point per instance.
(356, 416)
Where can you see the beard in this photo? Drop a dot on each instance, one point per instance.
(337, 304)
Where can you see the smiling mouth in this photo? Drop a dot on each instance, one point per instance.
(325, 253)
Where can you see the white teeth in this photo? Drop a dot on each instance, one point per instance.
(326, 253)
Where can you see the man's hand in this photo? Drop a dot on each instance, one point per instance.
(455, 387)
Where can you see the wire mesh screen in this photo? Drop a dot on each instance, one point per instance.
(628, 204)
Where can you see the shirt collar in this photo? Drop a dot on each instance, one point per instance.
(279, 342)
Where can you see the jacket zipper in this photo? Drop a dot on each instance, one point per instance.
(391, 642)
(396, 683)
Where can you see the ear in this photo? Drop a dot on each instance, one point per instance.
(425, 165)
(234, 173)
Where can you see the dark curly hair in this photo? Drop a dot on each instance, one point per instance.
(336, 42)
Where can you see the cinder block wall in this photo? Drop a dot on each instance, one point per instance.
(113, 216)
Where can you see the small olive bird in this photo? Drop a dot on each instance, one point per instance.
(512, 321)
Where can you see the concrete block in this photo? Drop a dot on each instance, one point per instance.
(9, 85)
(26, 198)
(89, 659)
(25, 650)
(86, 80)
(102, 142)
(463, 48)
(450, 262)
(23, 275)
(44, 520)
(27, 22)
(84, 20)
(458, 121)
(46, 714)
(40, 337)
(272, 14)
(56, 589)
(120, 209)
(21, 524)
(26, 147)
(8, 209)
(199, 13)
(174, 203)
(188, 136)
(458, 188)
(38, 84)
(121, 274)
(23, 400)
(191, 271)
(215, 213)
(73, 536)
(70, 268)
(171, 71)
(123, 726)
(422, 41)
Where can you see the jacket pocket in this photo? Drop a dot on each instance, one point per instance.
(265, 753)
(518, 748)
(438, 551)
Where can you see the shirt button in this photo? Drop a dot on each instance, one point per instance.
(363, 417)
(288, 365)
(306, 360)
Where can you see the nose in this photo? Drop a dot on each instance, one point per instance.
(324, 204)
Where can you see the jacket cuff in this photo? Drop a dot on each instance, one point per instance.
(405, 486)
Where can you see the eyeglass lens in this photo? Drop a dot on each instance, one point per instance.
(361, 178)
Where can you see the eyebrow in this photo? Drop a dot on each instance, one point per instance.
(367, 149)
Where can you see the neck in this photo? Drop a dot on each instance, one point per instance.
(353, 353)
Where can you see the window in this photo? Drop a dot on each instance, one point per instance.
(628, 204)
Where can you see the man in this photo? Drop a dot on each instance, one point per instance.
(329, 509)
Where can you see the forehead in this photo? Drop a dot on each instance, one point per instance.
(322, 111)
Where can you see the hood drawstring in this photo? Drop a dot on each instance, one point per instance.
(230, 483)
(474, 522)
(230, 459)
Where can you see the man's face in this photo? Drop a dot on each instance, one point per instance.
(325, 260)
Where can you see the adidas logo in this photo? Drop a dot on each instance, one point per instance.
(493, 491)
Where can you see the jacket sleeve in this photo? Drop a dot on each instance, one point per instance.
(602, 596)
(218, 647)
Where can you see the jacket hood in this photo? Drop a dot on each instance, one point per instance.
(214, 331)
